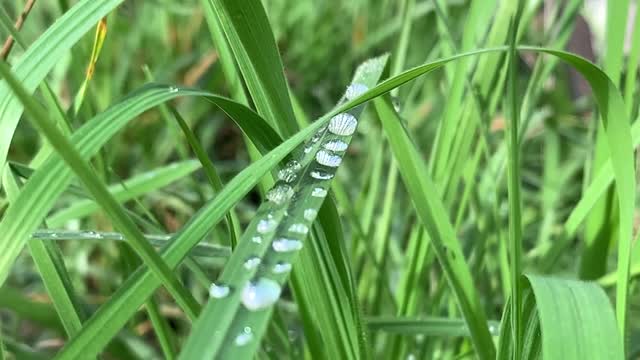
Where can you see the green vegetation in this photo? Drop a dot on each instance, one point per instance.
(238, 179)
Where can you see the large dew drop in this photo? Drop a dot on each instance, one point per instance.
(321, 175)
(260, 294)
(354, 90)
(244, 337)
(326, 158)
(319, 192)
(266, 225)
(343, 124)
(336, 145)
(286, 245)
(219, 291)
(280, 194)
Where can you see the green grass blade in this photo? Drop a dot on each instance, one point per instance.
(40, 58)
(274, 238)
(106, 322)
(94, 185)
(136, 186)
(249, 36)
(433, 215)
(428, 326)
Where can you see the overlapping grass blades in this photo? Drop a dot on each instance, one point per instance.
(40, 58)
(553, 308)
(253, 278)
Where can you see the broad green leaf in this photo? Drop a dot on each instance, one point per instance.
(552, 309)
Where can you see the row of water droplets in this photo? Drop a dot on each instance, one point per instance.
(262, 292)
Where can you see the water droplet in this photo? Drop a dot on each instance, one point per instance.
(281, 267)
(336, 145)
(307, 149)
(266, 225)
(316, 137)
(92, 235)
(321, 175)
(299, 228)
(343, 124)
(257, 239)
(260, 294)
(280, 194)
(287, 175)
(252, 263)
(286, 245)
(219, 291)
(354, 90)
(244, 337)
(319, 192)
(173, 89)
(310, 214)
(327, 158)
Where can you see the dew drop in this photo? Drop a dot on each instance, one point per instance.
(299, 228)
(343, 124)
(219, 291)
(310, 214)
(260, 294)
(280, 194)
(319, 192)
(244, 337)
(286, 245)
(307, 149)
(257, 239)
(287, 175)
(281, 267)
(173, 89)
(336, 145)
(321, 175)
(252, 262)
(92, 235)
(327, 158)
(316, 137)
(266, 225)
(354, 90)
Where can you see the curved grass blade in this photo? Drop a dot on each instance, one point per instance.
(433, 215)
(249, 35)
(40, 58)
(254, 275)
(552, 309)
(106, 322)
(82, 168)
(136, 186)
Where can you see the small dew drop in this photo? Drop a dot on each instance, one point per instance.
(326, 158)
(310, 214)
(336, 145)
(256, 239)
(321, 175)
(287, 175)
(307, 149)
(92, 235)
(281, 267)
(219, 291)
(252, 263)
(173, 89)
(244, 337)
(299, 228)
(319, 192)
(280, 194)
(266, 225)
(354, 90)
(286, 245)
(343, 124)
(260, 294)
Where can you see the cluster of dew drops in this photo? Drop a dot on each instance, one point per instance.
(263, 292)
